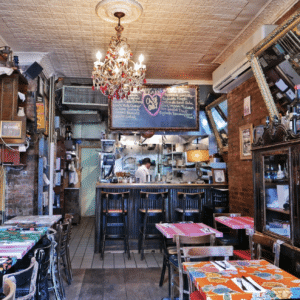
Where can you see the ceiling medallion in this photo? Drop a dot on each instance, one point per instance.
(131, 9)
(117, 76)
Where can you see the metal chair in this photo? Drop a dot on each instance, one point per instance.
(176, 260)
(152, 211)
(115, 209)
(42, 256)
(189, 206)
(9, 288)
(25, 281)
(69, 217)
(230, 236)
(264, 246)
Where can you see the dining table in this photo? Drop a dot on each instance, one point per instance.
(15, 243)
(244, 225)
(241, 279)
(40, 220)
(168, 230)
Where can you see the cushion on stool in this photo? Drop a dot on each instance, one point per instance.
(150, 210)
(242, 254)
(191, 210)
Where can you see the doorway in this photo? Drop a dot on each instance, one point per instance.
(90, 173)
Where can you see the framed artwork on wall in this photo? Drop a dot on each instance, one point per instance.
(247, 106)
(246, 139)
(219, 176)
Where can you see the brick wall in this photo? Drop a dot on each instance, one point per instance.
(240, 171)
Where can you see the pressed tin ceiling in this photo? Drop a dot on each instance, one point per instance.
(180, 39)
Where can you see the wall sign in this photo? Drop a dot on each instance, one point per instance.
(157, 108)
(11, 129)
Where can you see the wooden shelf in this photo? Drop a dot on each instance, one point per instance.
(279, 210)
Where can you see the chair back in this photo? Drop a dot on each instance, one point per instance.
(182, 241)
(62, 237)
(24, 277)
(115, 201)
(42, 256)
(153, 200)
(210, 252)
(266, 247)
(189, 200)
(9, 288)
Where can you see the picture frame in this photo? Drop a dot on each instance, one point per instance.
(11, 129)
(246, 140)
(219, 176)
(247, 106)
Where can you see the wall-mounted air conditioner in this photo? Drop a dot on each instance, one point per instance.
(236, 69)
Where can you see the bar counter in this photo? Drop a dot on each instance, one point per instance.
(134, 201)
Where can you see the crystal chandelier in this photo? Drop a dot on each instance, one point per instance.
(118, 75)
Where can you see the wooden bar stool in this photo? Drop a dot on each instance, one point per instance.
(189, 206)
(115, 209)
(152, 210)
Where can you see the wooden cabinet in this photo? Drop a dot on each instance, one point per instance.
(276, 171)
(9, 88)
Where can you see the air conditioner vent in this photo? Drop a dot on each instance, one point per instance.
(83, 97)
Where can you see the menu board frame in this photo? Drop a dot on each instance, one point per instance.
(175, 128)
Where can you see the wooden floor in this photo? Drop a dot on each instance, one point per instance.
(83, 257)
(115, 277)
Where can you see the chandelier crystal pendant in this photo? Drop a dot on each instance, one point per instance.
(118, 75)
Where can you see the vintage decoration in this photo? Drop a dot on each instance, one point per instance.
(118, 75)
(246, 138)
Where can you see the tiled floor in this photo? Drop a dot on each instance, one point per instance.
(114, 278)
(83, 257)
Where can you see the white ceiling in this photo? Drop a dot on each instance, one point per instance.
(180, 39)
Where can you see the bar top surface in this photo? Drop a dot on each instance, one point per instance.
(158, 185)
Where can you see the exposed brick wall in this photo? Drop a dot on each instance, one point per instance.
(240, 171)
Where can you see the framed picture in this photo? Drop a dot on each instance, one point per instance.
(246, 138)
(11, 129)
(219, 176)
(247, 106)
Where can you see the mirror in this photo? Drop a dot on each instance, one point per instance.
(217, 113)
(276, 65)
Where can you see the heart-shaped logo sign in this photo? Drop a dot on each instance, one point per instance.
(152, 103)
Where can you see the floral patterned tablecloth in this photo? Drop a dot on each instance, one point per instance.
(214, 284)
(186, 229)
(16, 243)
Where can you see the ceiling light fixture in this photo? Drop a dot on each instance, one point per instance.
(118, 74)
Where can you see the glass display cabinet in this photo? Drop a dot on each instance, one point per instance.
(276, 171)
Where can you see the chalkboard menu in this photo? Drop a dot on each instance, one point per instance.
(156, 108)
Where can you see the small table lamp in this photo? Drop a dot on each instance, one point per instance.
(198, 156)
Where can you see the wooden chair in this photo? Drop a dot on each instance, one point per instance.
(211, 252)
(230, 236)
(69, 218)
(55, 274)
(62, 246)
(266, 247)
(25, 281)
(189, 206)
(176, 261)
(9, 288)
